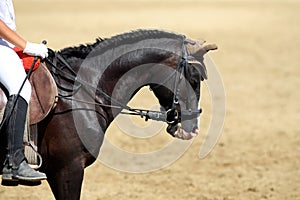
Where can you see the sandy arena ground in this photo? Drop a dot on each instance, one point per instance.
(258, 153)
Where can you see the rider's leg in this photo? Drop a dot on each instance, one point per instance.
(12, 76)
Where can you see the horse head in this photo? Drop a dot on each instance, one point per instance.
(181, 99)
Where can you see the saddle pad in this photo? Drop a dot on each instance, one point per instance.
(43, 95)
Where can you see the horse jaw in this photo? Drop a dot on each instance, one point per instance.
(197, 48)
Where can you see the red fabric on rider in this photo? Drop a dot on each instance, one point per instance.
(26, 59)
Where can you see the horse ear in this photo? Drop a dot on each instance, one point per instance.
(209, 47)
(197, 48)
(198, 66)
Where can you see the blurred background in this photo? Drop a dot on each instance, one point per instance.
(258, 153)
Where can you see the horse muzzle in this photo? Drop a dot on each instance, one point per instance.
(178, 132)
(182, 134)
(182, 124)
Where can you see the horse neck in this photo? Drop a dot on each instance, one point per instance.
(129, 73)
(120, 71)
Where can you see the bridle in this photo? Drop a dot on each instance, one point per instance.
(171, 116)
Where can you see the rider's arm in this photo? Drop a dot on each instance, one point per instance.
(11, 36)
(27, 47)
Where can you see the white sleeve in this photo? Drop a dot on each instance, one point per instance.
(7, 14)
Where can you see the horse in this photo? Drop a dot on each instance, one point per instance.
(95, 83)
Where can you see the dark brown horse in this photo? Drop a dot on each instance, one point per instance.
(96, 82)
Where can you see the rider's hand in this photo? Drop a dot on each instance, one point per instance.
(34, 49)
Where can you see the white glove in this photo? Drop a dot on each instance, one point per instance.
(34, 49)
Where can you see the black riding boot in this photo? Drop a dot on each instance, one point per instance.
(15, 165)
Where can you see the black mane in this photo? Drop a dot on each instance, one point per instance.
(82, 51)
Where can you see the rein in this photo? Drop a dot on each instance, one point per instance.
(170, 116)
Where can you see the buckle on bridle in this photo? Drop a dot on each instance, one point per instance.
(172, 116)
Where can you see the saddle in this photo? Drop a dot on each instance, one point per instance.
(43, 95)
